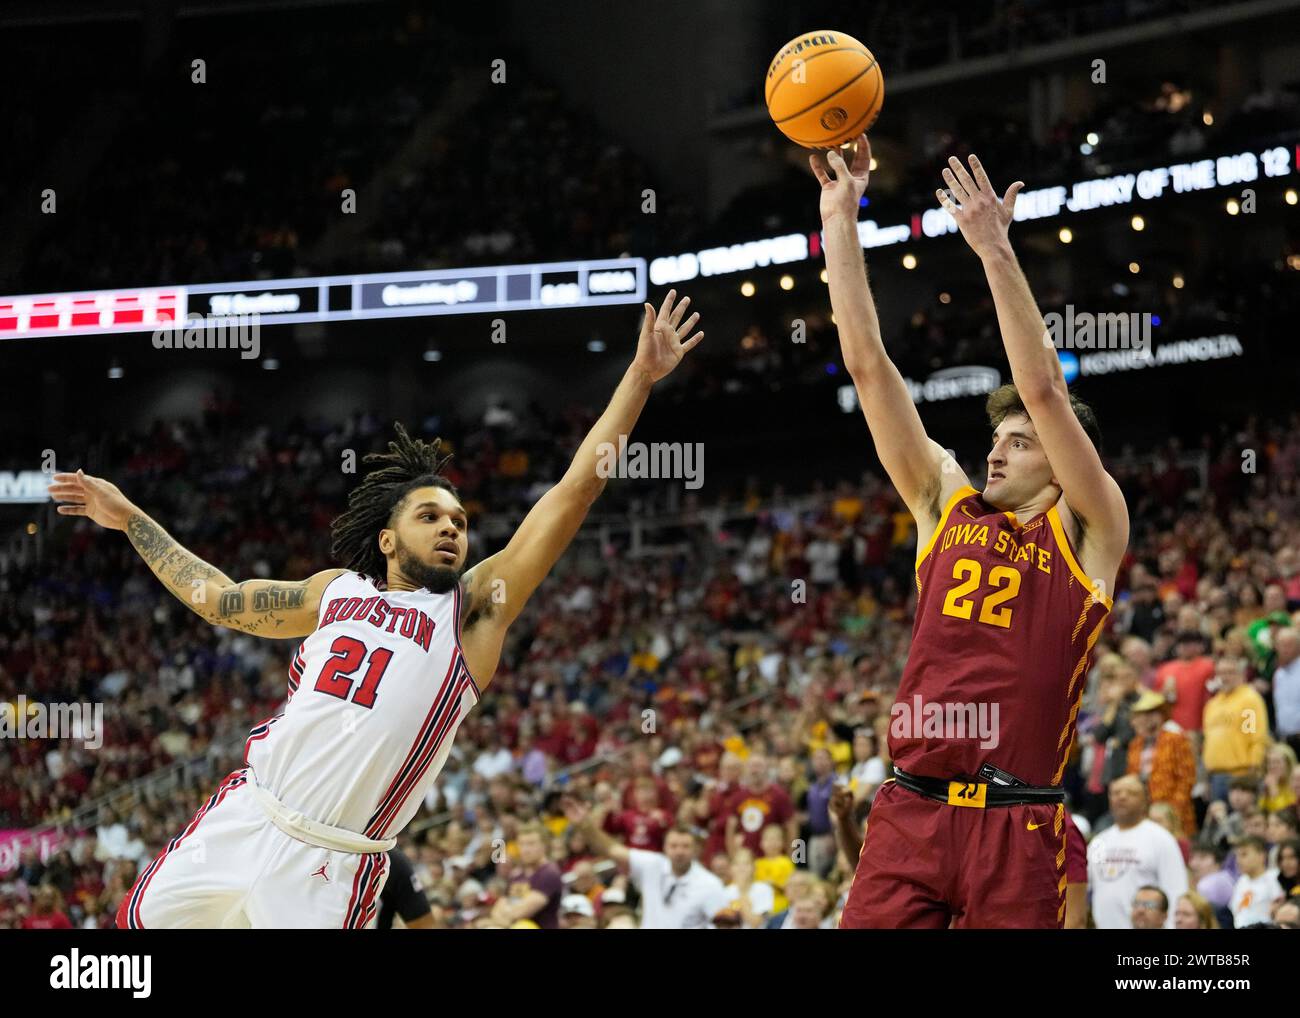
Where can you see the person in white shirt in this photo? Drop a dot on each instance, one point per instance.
(823, 555)
(1132, 853)
(677, 893)
(868, 772)
(753, 899)
(1286, 685)
(1257, 889)
(494, 759)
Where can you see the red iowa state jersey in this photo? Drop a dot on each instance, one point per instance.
(1006, 620)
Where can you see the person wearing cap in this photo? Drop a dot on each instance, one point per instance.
(577, 913)
(1184, 681)
(1162, 756)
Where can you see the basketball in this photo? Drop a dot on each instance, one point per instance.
(824, 89)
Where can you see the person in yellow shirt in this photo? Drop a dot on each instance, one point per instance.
(1279, 765)
(848, 505)
(1235, 730)
(774, 866)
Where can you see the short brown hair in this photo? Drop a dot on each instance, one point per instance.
(1005, 400)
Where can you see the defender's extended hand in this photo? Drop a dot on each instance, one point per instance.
(842, 195)
(93, 497)
(982, 218)
(661, 346)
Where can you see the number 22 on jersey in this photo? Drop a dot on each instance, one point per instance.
(1001, 588)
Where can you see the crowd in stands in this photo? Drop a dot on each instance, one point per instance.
(212, 179)
(918, 38)
(694, 704)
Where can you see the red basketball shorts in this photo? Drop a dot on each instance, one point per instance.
(927, 865)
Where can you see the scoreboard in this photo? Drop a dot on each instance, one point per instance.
(330, 298)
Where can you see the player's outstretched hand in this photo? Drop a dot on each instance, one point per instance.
(663, 341)
(982, 217)
(93, 497)
(842, 194)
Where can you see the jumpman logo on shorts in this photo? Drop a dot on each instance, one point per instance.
(321, 873)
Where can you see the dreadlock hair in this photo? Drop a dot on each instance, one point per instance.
(1005, 400)
(410, 463)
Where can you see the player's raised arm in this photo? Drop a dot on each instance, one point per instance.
(918, 467)
(276, 609)
(501, 585)
(1092, 496)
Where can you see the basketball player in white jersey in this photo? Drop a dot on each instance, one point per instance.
(397, 648)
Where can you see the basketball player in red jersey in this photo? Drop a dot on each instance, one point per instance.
(1012, 593)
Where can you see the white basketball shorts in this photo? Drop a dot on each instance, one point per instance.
(232, 868)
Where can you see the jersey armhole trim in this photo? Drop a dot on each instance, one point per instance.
(323, 601)
(464, 664)
(965, 491)
(1058, 528)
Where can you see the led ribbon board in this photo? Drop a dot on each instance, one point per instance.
(330, 298)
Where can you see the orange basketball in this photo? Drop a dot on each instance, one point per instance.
(824, 89)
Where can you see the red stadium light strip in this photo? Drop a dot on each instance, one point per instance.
(65, 314)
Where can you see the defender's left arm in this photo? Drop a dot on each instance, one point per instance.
(498, 587)
(1092, 496)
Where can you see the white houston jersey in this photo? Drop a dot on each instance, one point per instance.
(376, 694)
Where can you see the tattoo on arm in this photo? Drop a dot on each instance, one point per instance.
(279, 597)
(273, 598)
(177, 567)
(149, 539)
(193, 569)
(232, 602)
(258, 610)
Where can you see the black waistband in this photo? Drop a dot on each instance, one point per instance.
(993, 795)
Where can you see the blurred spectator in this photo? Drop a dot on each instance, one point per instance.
(1257, 889)
(535, 885)
(1162, 756)
(1192, 912)
(753, 900)
(1286, 686)
(1213, 883)
(1150, 909)
(677, 893)
(1132, 853)
(1236, 728)
(758, 802)
(1184, 681)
